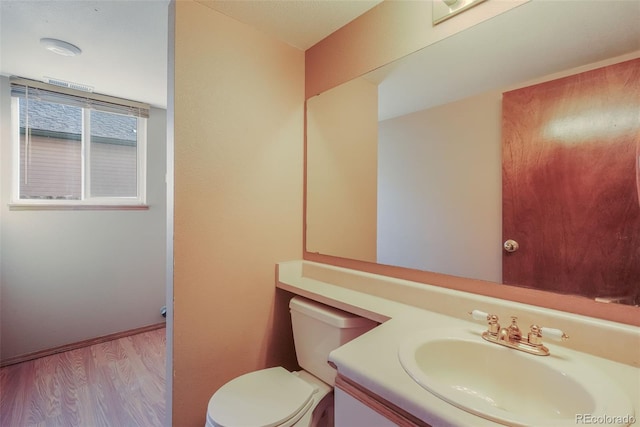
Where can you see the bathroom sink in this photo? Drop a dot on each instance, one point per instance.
(508, 386)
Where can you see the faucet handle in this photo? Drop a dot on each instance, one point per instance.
(479, 315)
(491, 319)
(554, 334)
(535, 335)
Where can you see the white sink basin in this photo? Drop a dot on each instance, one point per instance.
(509, 386)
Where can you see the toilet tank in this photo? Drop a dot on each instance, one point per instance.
(318, 329)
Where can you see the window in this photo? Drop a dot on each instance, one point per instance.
(73, 148)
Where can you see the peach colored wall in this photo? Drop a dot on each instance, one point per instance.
(389, 31)
(239, 100)
(342, 169)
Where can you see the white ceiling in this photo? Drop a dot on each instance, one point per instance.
(124, 43)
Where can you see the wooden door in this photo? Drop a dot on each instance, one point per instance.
(570, 183)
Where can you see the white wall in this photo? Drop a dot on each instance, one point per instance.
(68, 276)
(437, 169)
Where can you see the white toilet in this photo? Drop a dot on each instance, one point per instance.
(276, 397)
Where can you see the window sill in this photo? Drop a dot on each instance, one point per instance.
(75, 207)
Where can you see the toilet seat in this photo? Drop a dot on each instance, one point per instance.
(266, 398)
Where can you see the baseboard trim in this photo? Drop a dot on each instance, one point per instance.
(79, 344)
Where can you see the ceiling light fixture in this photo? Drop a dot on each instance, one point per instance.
(60, 47)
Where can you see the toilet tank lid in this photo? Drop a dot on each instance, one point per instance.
(331, 315)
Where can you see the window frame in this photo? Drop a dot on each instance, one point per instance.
(86, 201)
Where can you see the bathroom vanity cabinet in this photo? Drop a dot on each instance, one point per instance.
(356, 407)
(351, 412)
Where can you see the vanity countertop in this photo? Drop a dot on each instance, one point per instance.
(371, 360)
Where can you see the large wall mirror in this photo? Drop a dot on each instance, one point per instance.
(405, 164)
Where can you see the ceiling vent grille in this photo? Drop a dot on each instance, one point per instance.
(68, 85)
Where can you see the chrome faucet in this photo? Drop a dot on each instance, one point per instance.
(512, 337)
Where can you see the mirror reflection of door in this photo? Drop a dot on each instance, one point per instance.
(570, 192)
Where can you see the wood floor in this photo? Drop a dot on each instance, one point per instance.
(118, 383)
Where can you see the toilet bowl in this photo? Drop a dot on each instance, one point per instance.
(276, 397)
(272, 397)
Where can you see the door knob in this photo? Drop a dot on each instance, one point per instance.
(510, 245)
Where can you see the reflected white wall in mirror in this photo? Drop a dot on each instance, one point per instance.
(439, 198)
